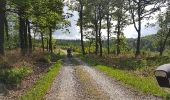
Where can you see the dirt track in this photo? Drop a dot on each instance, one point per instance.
(78, 81)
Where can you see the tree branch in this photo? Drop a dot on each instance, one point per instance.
(133, 16)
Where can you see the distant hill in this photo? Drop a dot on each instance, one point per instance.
(147, 42)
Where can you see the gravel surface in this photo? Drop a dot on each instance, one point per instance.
(63, 87)
(82, 82)
(113, 88)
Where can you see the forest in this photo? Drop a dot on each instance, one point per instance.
(33, 62)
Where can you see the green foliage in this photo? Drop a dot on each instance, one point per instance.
(48, 57)
(41, 87)
(14, 76)
(44, 59)
(157, 61)
(133, 64)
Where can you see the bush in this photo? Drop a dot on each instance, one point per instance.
(13, 76)
(133, 64)
(44, 59)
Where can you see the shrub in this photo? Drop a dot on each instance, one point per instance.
(44, 59)
(13, 76)
(133, 64)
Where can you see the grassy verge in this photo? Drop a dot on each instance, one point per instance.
(42, 86)
(146, 85)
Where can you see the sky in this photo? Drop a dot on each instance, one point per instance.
(129, 31)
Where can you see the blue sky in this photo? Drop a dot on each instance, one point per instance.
(129, 31)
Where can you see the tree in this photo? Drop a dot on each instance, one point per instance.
(122, 18)
(81, 24)
(164, 33)
(139, 11)
(2, 24)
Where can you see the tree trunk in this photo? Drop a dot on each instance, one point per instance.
(100, 37)
(108, 34)
(34, 43)
(25, 36)
(81, 26)
(50, 41)
(118, 35)
(29, 36)
(96, 42)
(21, 32)
(2, 28)
(6, 31)
(164, 44)
(96, 29)
(47, 45)
(139, 30)
(42, 41)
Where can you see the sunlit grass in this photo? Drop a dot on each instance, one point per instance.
(42, 86)
(144, 84)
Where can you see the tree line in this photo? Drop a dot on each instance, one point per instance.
(114, 16)
(25, 19)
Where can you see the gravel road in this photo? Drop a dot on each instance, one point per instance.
(79, 81)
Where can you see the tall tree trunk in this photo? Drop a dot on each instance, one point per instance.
(6, 31)
(47, 45)
(81, 26)
(21, 32)
(100, 33)
(29, 36)
(42, 41)
(96, 42)
(25, 36)
(96, 29)
(50, 41)
(108, 34)
(2, 28)
(118, 35)
(139, 30)
(164, 44)
(34, 43)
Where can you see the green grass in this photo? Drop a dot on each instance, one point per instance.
(142, 84)
(42, 86)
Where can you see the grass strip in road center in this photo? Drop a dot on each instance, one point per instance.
(88, 87)
(41, 87)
